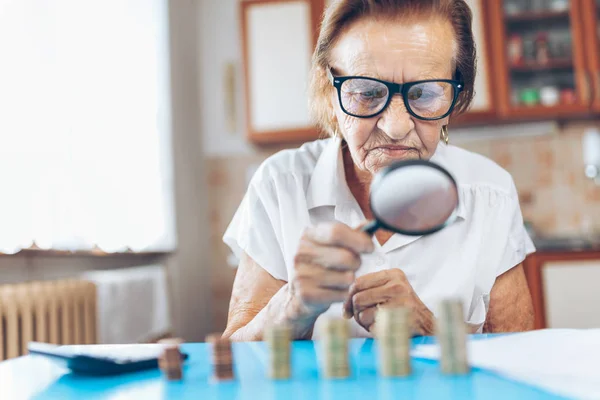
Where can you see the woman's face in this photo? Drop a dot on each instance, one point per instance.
(396, 52)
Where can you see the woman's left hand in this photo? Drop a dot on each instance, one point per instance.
(386, 288)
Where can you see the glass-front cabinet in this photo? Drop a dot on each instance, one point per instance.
(484, 106)
(541, 45)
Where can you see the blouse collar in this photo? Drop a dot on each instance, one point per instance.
(328, 187)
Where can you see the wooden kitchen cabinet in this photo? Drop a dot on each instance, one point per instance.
(278, 39)
(591, 24)
(484, 107)
(563, 286)
(541, 51)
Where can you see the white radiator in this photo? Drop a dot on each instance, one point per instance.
(133, 303)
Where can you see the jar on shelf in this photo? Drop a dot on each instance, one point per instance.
(550, 96)
(568, 96)
(515, 50)
(530, 97)
(542, 49)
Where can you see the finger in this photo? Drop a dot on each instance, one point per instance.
(387, 295)
(391, 294)
(325, 278)
(361, 283)
(380, 279)
(372, 280)
(368, 298)
(360, 226)
(347, 306)
(320, 296)
(366, 318)
(329, 257)
(373, 328)
(341, 235)
(369, 281)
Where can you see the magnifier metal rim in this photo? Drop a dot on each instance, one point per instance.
(402, 164)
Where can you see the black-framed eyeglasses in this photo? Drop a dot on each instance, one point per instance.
(364, 97)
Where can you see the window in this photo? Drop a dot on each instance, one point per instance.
(85, 156)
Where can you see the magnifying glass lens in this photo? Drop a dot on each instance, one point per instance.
(414, 198)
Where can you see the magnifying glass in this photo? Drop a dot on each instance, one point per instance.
(414, 197)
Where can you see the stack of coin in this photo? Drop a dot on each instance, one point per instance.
(171, 341)
(170, 362)
(393, 333)
(451, 332)
(334, 348)
(222, 357)
(278, 339)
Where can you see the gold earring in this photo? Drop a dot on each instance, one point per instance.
(444, 134)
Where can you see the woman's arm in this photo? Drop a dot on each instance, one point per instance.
(511, 307)
(324, 268)
(258, 299)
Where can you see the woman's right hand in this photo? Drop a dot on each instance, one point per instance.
(324, 267)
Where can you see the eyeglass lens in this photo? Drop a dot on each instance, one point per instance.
(365, 97)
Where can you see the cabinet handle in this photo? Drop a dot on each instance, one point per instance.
(597, 87)
(587, 88)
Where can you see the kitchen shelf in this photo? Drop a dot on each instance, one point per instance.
(540, 111)
(532, 16)
(552, 65)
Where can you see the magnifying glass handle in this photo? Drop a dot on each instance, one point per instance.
(371, 227)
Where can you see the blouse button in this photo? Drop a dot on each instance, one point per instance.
(380, 261)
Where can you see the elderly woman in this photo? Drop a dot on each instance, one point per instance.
(386, 77)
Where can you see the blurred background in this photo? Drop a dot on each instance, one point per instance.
(129, 130)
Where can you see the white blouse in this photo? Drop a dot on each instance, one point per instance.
(297, 188)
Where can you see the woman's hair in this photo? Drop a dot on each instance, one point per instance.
(342, 13)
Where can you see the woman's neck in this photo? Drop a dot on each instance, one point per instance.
(359, 182)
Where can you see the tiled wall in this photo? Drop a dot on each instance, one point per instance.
(556, 197)
(226, 184)
(548, 171)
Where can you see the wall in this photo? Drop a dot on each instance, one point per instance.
(556, 197)
(220, 44)
(189, 267)
(227, 154)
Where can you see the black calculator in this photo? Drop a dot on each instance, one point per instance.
(102, 360)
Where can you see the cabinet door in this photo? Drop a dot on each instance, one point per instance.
(484, 104)
(541, 58)
(278, 38)
(571, 294)
(591, 18)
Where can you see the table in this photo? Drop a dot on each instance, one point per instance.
(34, 377)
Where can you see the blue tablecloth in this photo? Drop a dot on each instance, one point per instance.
(34, 377)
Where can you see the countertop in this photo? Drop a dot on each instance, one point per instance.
(566, 244)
